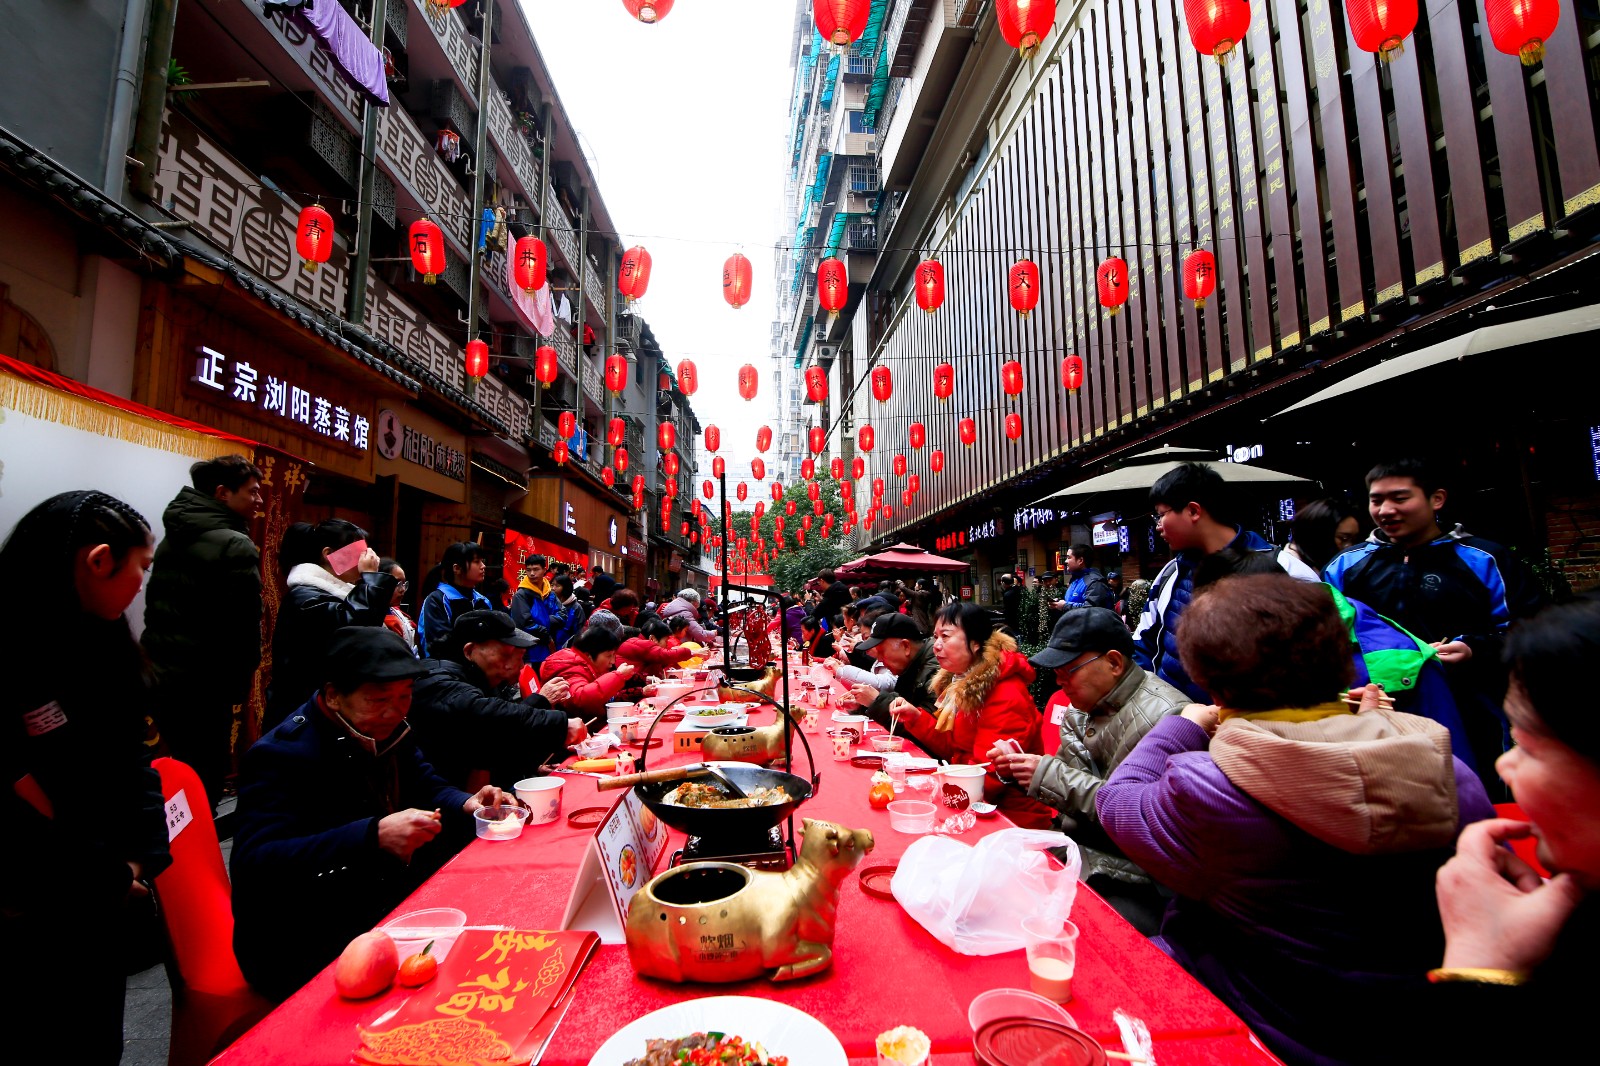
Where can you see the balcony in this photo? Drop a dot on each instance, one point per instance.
(560, 228)
(458, 46)
(513, 144)
(594, 292)
(592, 385)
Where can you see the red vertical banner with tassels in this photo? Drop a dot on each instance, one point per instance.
(283, 488)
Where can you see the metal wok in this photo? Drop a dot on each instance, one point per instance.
(728, 823)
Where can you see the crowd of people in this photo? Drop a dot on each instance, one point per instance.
(1284, 769)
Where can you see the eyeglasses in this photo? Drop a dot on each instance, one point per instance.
(401, 586)
(1157, 516)
(1081, 665)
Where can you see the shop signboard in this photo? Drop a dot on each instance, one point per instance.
(274, 394)
(1028, 518)
(1103, 529)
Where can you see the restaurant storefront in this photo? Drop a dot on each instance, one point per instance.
(422, 471)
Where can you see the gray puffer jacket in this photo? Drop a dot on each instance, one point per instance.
(1092, 745)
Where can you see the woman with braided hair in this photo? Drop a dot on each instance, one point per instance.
(82, 804)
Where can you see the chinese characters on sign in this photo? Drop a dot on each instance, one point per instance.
(1032, 518)
(238, 380)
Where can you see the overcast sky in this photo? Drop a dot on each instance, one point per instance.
(684, 122)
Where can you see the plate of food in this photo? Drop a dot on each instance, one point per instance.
(767, 1034)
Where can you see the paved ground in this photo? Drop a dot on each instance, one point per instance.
(147, 1010)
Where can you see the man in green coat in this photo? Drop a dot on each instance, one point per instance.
(202, 616)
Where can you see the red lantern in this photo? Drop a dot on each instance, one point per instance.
(882, 384)
(816, 384)
(907, 498)
(567, 425)
(968, 430)
(758, 469)
(814, 491)
(748, 381)
(559, 453)
(1013, 426)
(914, 482)
(887, 514)
(620, 461)
(708, 489)
(1024, 23)
(1011, 378)
(670, 464)
(864, 438)
(817, 508)
(1112, 281)
(669, 489)
(760, 509)
(1381, 26)
(742, 491)
(713, 438)
(688, 377)
(833, 286)
(806, 522)
(836, 468)
(736, 281)
(777, 492)
(313, 236)
(763, 438)
(608, 475)
(944, 381)
(694, 538)
(666, 436)
(918, 434)
(841, 21)
(427, 250)
(936, 461)
(900, 466)
(616, 374)
(529, 262)
(1072, 374)
(1199, 275)
(683, 529)
(478, 360)
(647, 11)
(637, 485)
(858, 468)
(634, 277)
(1520, 27)
(818, 438)
(778, 522)
(930, 285)
(545, 364)
(719, 466)
(1022, 286)
(1215, 26)
(808, 469)
(788, 507)
(616, 432)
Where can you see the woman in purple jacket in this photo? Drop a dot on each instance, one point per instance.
(1302, 838)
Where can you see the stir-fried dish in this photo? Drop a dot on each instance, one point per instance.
(707, 1049)
(709, 795)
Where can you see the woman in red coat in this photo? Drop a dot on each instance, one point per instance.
(649, 652)
(587, 666)
(981, 692)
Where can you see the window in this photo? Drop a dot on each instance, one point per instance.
(863, 177)
(858, 62)
(857, 122)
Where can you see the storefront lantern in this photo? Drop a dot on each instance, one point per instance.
(688, 377)
(930, 285)
(616, 374)
(529, 263)
(559, 453)
(1521, 27)
(719, 466)
(313, 237)
(1112, 281)
(833, 286)
(608, 476)
(814, 491)
(808, 469)
(749, 381)
(858, 468)
(1215, 26)
(546, 364)
(1199, 276)
(478, 360)
(758, 469)
(760, 509)
(634, 276)
(836, 468)
(818, 439)
(763, 438)
(788, 508)
(1022, 286)
(566, 425)
(777, 491)
(907, 498)
(1381, 26)
(841, 22)
(1072, 374)
(817, 508)
(899, 466)
(1011, 378)
(708, 489)
(1013, 426)
(968, 431)
(670, 464)
(736, 281)
(648, 11)
(944, 381)
(713, 439)
(936, 461)
(865, 438)
(1024, 23)
(637, 485)
(426, 242)
(918, 434)
(743, 492)
(877, 488)
(882, 384)
(620, 460)
(666, 436)
(816, 384)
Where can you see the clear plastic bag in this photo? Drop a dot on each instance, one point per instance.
(974, 899)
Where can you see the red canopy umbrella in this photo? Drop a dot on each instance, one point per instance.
(899, 558)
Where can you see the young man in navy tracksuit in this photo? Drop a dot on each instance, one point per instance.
(461, 572)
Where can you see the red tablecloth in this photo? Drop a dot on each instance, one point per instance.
(887, 969)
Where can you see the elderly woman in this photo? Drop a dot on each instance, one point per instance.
(1302, 839)
(686, 604)
(982, 698)
(1517, 946)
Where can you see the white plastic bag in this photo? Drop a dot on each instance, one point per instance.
(974, 899)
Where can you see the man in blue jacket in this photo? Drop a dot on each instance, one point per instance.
(339, 818)
(1457, 592)
(1193, 513)
(460, 573)
(537, 610)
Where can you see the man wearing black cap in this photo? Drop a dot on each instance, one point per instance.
(460, 573)
(907, 653)
(1106, 705)
(338, 815)
(468, 721)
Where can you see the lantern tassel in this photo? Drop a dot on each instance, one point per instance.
(1532, 53)
(1391, 49)
(430, 279)
(1112, 312)
(310, 265)
(1200, 303)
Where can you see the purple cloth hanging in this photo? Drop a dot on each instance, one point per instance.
(358, 60)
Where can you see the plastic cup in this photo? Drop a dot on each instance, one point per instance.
(1052, 948)
(843, 741)
(895, 766)
(808, 721)
(412, 931)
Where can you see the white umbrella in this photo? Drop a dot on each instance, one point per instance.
(1147, 468)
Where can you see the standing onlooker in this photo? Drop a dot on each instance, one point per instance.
(574, 612)
(1321, 530)
(460, 573)
(1011, 602)
(1457, 592)
(603, 585)
(202, 615)
(1086, 586)
(537, 610)
(318, 604)
(399, 623)
(835, 594)
(1193, 514)
(82, 806)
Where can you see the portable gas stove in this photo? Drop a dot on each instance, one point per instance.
(768, 852)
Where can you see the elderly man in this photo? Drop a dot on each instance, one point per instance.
(469, 722)
(907, 653)
(339, 816)
(686, 604)
(1105, 706)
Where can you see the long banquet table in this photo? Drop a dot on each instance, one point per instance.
(887, 969)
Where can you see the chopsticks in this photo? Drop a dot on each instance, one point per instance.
(1123, 1056)
(1384, 702)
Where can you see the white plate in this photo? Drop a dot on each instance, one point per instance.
(780, 1028)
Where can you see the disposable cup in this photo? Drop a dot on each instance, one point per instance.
(543, 797)
(1052, 949)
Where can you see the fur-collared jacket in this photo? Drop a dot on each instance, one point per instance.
(988, 703)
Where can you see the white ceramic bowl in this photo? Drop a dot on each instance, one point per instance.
(543, 797)
(711, 721)
(911, 816)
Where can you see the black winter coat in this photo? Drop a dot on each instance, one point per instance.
(202, 613)
(834, 600)
(308, 874)
(315, 608)
(462, 724)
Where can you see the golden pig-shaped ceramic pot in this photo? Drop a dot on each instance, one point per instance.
(717, 922)
(762, 745)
